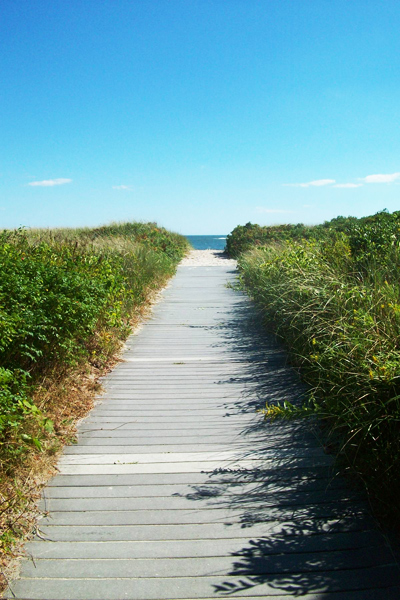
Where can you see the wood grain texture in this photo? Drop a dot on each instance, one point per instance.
(178, 489)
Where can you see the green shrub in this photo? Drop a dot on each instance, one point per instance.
(245, 237)
(58, 288)
(13, 400)
(335, 301)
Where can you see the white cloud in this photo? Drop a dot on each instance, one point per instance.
(260, 209)
(49, 182)
(381, 178)
(315, 183)
(320, 182)
(121, 187)
(348, 185)
(377, 178)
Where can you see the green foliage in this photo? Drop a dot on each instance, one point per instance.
(13, 400)
(245, 237)
(369, 235)
(335, 301)
(58, 288)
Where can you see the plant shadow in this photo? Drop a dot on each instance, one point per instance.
(310, 533)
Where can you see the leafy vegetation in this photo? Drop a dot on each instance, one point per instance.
(67, 300)
(246, 237)
(374, 231)
(333, 296)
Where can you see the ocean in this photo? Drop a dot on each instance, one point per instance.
(207, 242)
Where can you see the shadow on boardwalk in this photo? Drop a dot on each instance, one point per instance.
(320, 538)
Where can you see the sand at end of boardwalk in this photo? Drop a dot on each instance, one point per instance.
(206, 258)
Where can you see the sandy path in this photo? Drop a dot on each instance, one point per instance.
(207, 258)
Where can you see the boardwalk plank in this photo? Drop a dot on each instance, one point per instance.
(176, 489)
(205, 566)
(197, 547)
(159, 588)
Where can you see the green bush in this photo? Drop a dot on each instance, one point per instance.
(59, 287)
(335, 301)
(245, 237)
(13, 400)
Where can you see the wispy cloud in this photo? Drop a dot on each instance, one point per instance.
(377, 178)
(49, 182)
(121, 187)
(261, 209)
(381, 178)
(315, 183)
(348, 185)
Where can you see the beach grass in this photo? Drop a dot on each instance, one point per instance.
(334, 299)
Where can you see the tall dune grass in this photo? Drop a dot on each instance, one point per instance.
(335, 301)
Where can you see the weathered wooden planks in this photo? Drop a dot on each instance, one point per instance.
(177, 489)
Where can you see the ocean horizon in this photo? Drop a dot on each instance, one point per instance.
(207, 242)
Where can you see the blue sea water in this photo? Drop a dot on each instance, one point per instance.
(207, 242)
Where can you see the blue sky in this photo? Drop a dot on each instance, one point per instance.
(198, 114)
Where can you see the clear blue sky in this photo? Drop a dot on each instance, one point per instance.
(198, 114)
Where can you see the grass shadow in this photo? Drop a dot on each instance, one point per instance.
(309, 533)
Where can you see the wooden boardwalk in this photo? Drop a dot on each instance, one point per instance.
(178, 490)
